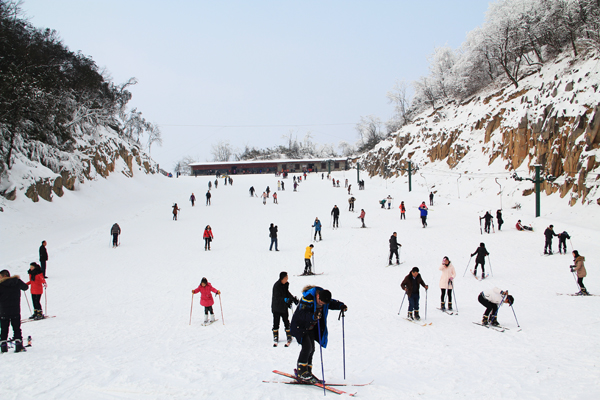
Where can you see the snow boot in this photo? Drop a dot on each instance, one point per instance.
(3, 346)
(19, 346)
(410, 315)
(417, 317)
(303, 374)
(314, 379)
(494, 321)
(484, 321)
(33, 315)
(443, 306)
(482, 275)
(449, 306)
(205, 319)
(288, 337)
(275, 337)
(212, 317)
(38, 314)
(390, 262)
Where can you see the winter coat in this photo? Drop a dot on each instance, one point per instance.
(549, 233)
(411, 285)
(43, 253)
(208, 195)
(499, 217)
(447, 273)
(402, 208)
(208, 234)
(115, 230)
(303, 318)
(317, 226)
(393, 243)
(36, 281)
(272, 231)
(192, 198)
(308, 253)
(493, 295)
(423, 209)
(351, 200)
(563, 236)
(10, 296)
(282, 298)
(487, 217)
(519, 226)
(335, 212)
(362, 214)
(579, 267)
(206, 299)
(481, 253)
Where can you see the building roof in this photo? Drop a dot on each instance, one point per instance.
(280, 161)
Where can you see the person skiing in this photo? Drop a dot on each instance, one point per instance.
(282, 185)
(209, 185)
(281, 300)
(216, 183)
(268, 190)
(382, 202)
(562, 242)
(175, 211)
(208, 196)
(430, 198)
(362, 217)
(317, 226)
(333, 180)
(252, 191)
(481, 253)
(264, 197)
(351, 201)
(549, 234)
(273, 236)
(410, 285)
(346, 183)
(394, 248)
(37, 283)
(349, 190)
(491, 299)
(389, 201)
(579, 268)
(10, 309)
(192, 199)
(295, 186)
(308, 253)
(43, 257)
(275, 198)
(521, 227)
(499, 218)
(423, 209)
(402, 211)
(336, 216)
(488, 221)
(446, 282)
(206, 299)
(208, 237)
(309, 325)
(278, 185)
(115, 231)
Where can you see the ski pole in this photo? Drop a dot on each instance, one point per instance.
(480, 231)
(46, 301)
(343, 342)
(491, 270)
(221, 306)
(331, 221)
(426, 304)
(467, 266)
(575, 277)
(313, 262)
(28, 303)
(402, 303)
(454, 290)
(321, 350)
(191, 308)
(513, 310)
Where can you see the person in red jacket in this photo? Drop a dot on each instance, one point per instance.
(208, 237)
(206, 299)
(37, 283)
(362, 217)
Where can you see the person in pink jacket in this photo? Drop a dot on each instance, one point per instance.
(206, 299)
(448, 275)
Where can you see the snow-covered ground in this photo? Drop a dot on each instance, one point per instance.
(122, 330)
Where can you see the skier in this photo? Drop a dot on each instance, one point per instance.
(278, 185)
(521, 227)
(208, 196)
(208, 237)
(309, 324)
(209, 185)
(307, 256)
(225, 180)
(10, 309)
(336, 216)
(322, 175)
(549, 233)
(295, 186)
(282, 185)
(115, 231)
(581, 272)
(488, 221)
(216, 183)
(273, 236)
(280, 302)
(252, 191)
(362, 217)
(423, 209)
(333, 180)
(206, 299)
(382, 202)
(491, 299)
(410, 285)
(346, 183)
(175, 211)
(37, 283)
(268, 190)
(499, 218)
(351, 201)
(264, 197)
(562, 242)
(446, 282)
(43, 257)
(192, 199)
(317, 226)
(394, 248)
(275, 198)
(481, 253)
(389, 201)
(402, 211)
(430, 198)
(349, 190)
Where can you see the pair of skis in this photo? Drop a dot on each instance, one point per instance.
(327, 386)
(479, 279)
(496, 328)
(449, 312)
(207, 323)
(418, 322)
(39, 319)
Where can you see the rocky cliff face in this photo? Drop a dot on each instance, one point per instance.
(552, 119)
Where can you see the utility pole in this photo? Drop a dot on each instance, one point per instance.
(357, 173)
(410, 171)
(537, 180)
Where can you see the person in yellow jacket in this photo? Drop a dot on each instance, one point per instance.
(307, 264)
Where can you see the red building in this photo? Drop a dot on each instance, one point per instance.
(269, 166)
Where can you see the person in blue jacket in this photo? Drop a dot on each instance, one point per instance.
(309, 324)
(423, 209)
(317, 226)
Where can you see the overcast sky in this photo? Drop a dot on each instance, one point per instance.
(261, 68)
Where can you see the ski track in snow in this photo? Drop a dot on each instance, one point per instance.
(122, 330)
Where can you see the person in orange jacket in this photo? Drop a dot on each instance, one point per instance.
(37, 283)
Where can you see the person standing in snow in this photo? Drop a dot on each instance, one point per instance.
(281, 300)
(268, 191)
(208, 196)
(362, 217)
(430, 198)
(275, 198)
(488, 221)
(295, 186)
(402, 211)
(309, 325)
(346, 183)
(209, 185)
(562, 242)
(549, 234)
(192, 199)
(308, 253)
(333, 180)
(423, 210)
(491, 299)
(175, 211)
(317, 226)
(282, 185)
(349, 190)
(480, 260)
(389, 201)
(410, 285)
(225, 180)
(37, 283)
(264, 197)
(10, 309)
(579, 268)
(216, 183)
(394, 248)
(208, 237)
(446, 282)
(206, 300)
(43, 257)
(499, 219)
(115, 231)
(336, 216)
(252, 191)
(351, 201)
(273, 236)
(278, 185)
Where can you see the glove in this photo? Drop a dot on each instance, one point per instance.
(572, 267)
(345, 308)
(192, 292)
(296, 301)
(318, 314)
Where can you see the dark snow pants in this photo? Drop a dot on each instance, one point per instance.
(562, 245)
(307, 265)
(208, 310)
(277, 317)
(308, 347)
(392, 252)
(413, 302)
(5, 322)
(115, 239)
(443, 298)
(336, 221)
(424, 221)
(548, 246)
(35, 299)
(479, 262)
(490, 308)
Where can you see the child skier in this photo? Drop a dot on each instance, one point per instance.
(206, 299)
(362, 217)
(402, 211)
(481, 253)
(491, 299)
(446, 282)
(410, 285)
(37, 283)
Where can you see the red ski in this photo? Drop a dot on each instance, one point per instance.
(331, 389)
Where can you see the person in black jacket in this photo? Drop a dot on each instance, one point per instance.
(410, 285)
(480, 260)
(394, 248)
(10, 309)
(281, 301)
(336, 216)
(562, 242)
(499, 218)
(273, 236)
(115, 231)
(549, 234)
(43, 257)
(488, 221)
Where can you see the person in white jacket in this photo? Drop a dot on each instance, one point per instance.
(491, 300)
(446, 280)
